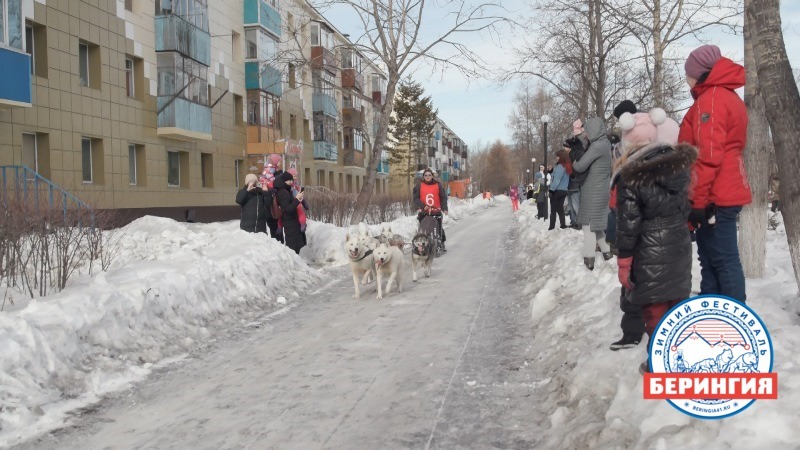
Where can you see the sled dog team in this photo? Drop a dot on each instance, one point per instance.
(383, 256)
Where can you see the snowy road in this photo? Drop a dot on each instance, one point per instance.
(442, 365)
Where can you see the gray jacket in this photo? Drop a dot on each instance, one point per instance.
(594, 191)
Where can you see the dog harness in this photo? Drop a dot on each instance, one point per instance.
(369, 252)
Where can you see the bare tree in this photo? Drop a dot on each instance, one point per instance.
(753, 237)
(498, 171)
(659, 24)
(779, 90)
(391, 34)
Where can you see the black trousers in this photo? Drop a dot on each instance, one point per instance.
(557, 207)
(632, 316)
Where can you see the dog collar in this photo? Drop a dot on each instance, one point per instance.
(369, 252)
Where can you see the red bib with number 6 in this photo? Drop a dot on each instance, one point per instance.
(429, 195)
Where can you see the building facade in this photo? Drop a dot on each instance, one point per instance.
(163, 106)
(445, 153)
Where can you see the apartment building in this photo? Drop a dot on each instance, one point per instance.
(163, 106)
(445, 152)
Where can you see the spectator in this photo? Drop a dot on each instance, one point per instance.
(255, 204)
(716, 124)
(289, 204)
(655, 249)
(558, 190)
(593, 211)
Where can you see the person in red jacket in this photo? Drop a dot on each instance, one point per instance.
(430, 198)
(716, 124)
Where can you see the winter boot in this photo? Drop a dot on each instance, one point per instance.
(607, 255)
(627, 341)
(589, 262)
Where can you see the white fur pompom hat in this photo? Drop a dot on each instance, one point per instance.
(643, 128)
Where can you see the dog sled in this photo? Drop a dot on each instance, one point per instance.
(430, 226)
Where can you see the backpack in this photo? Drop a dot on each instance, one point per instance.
(276, 210)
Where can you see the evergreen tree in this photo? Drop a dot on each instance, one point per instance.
(410, 126)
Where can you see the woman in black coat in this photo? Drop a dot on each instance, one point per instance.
(255, 204)
(655, 248)
(289, 203)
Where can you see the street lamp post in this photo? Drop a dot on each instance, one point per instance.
(545, 119)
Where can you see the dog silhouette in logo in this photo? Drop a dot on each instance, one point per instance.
(745, 363)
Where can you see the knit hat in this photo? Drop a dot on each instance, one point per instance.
(577, 127)
(701, 60)
(646, 128)
(286, 176)
(625, 106)
(250, 178)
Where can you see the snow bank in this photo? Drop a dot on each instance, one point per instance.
(173, 287)
(595, 395)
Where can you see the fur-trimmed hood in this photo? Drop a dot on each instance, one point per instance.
(657, 163)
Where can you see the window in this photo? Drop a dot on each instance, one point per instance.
(193, 11)
(136, 165)
(207, 169)
(132, 163)
(263, 109)
(129, 5)
(176, 72)
(292, 126)
(351, 60)
(30, 152)
(238, 109)
(251, 43)
(83, 63)
(29, 45)
(323, 84)
(11, 30)
(86, 159)
(237, 169)
(324, 128)
(292, 77)
(173, 169)
(236, 46)
(321, 36)
(130, 88)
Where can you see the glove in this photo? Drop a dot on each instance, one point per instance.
(624, 272)
(303, 228)
(698, 217)
(420, 216)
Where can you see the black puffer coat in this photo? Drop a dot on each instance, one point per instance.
(652, 212)
(290, 221)
(255, 209)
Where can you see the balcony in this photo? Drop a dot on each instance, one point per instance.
(383, 166)
(15, 71)
(379, 97)
(173, 34)
(259, 12)
(325, 104)
(352, 79)
(351, 118)
(325, 151)
(267, 79)
(353, 158)
(322, 58)
(261, 140)
(184, 120)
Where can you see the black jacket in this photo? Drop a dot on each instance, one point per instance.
(290, 220)
(652, 212)
(576, 152)
(442, 196)
(255, 209)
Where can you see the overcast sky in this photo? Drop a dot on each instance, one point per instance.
(478, 109)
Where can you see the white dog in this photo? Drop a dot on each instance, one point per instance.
(422, 254)
(387, 236)
(362, 262)
(389, 261)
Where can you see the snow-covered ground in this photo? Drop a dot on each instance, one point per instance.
(173, 287)
(177, 286)
(595, 395)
